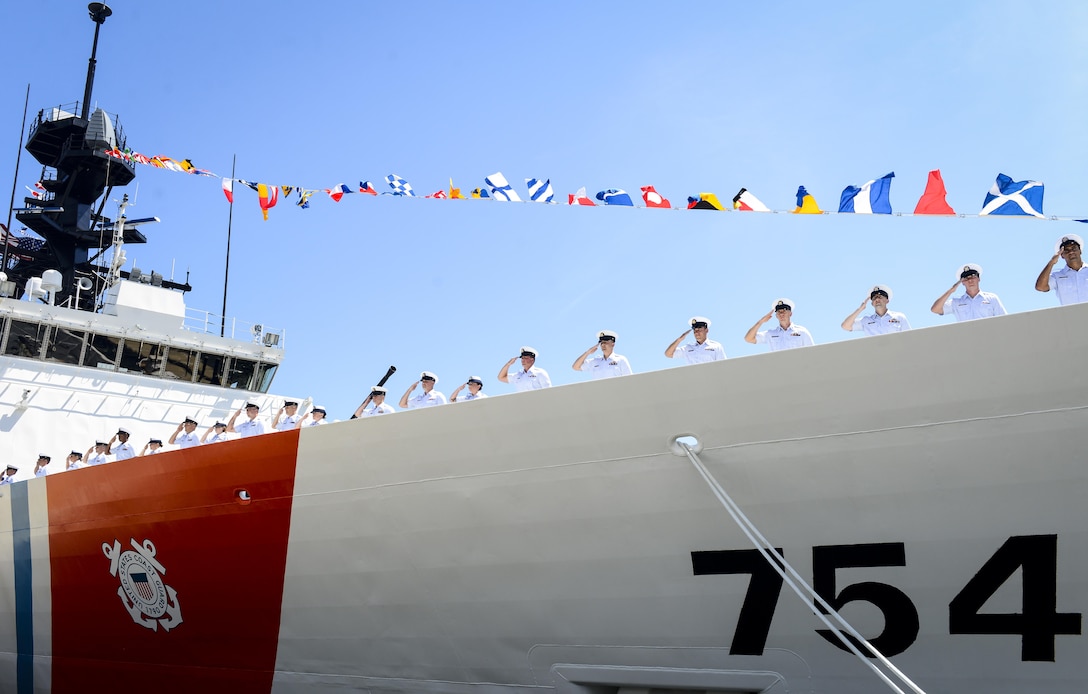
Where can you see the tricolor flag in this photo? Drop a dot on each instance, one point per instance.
(400, 186)
(500, 189)
(1009, 197)
(871, 198)
(652, 198)
(806, 204)
(932, 201)
(705, 201)
(228, 189)
(338, 191)
(267, 196)
(455, 193)
(580, 198)
(367, 187)
(615, 196)
(540, 191)
(746, 202)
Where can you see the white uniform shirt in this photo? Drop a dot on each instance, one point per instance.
(601, 366)
(533, 379)
(422, 399)
(5, 479)
(469, 396)
(153, 451)
(384, 408)
(218, 438)
(697, 353)
(187, 440)
(983, 305)
(873, 324)
(98, 459)
(41, 472)
(75, 465)
(785, 338)
(123, 451)
(318, 422)
(288, 422)
(1071, 285)
(250, 427)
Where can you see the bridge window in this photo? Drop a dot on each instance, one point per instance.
(142, 357)
(66, 346)
(265, 373)
(180, 363)
(212, 369)
(241, 374)
(102, 352)
(25, 339)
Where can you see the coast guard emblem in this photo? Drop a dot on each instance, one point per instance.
(150, 602)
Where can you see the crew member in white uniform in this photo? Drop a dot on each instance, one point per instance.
(882, 321)
(530, 377)
(187, 439)
(287, 417)
(220, 430)
(972, 303)
(378, 405)
(8, 475)
(250, 427)
(124, 449)
(100, 455)
(701, 349)
(152, 447)
(75, 461)
(41, 469)
(608, 364)
(317, 415)
(787, 335)
(475, 390)
(1071, 282)
(427, 397)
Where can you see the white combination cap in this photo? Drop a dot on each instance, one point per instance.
(881, 288)
(607, 333)
(695, 320)
(428, 374)
(1068, 238)
(528, 352)
(970, 268)
(788, 303)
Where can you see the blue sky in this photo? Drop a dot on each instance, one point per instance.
(686, 97)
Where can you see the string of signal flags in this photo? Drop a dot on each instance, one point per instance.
(1005, 197)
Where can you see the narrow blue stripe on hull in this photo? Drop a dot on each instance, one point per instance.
(24, 594)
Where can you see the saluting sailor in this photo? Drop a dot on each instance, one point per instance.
(40, 468)
(289, 415)
(427, 397)
(1071, 282)
(98, 453)
(606, 365)
(75, 461)
(702, 349)
(124, 449)
(530, 377)
(250, 427)
(152, 447)
(475, 390)
(186, 439)
(973, 303)
(787, 335)
(881, 321)
(378, 405)
(8, 475)
(318, 416)
(220, 430)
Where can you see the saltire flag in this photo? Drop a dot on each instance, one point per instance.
(1009, 197)
(252, 186)
(399, 186)
(500, 189)
(652, 198)
(615, 196)
(304, 198)
(480, 193)
(338, 191)
(287, 190)
(746, 202)
(705, 201)
(540, 191)
(455, 193)
(228, 189)
(871, 198)
(806, 204)
(933, 200)
(267, 196)
(438, 194)
(580, 198)
(367, 187)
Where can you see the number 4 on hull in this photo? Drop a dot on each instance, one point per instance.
(1038, 622)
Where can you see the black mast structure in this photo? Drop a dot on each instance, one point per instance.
(76, 173)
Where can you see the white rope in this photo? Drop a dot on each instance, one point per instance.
(798, 584)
